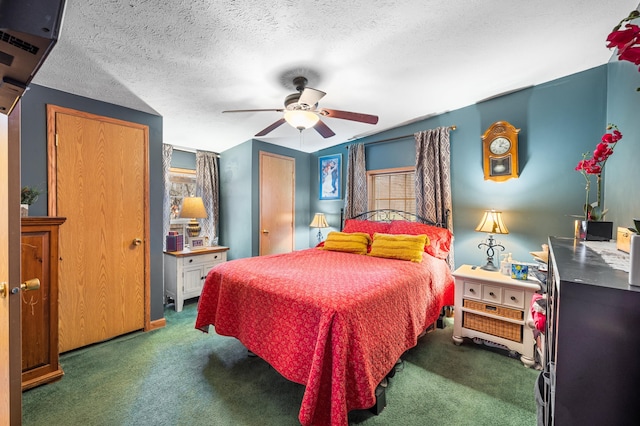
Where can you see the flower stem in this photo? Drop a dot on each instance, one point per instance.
(586, 201)
(599, 189)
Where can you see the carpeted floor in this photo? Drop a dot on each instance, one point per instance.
(180, 376)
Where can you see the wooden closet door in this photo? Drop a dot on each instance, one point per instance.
(101, 187)
(277, 208)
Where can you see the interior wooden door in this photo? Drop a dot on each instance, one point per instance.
(100, 181)
(10, 298)
(277, 208)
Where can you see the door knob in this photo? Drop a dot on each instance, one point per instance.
(32, 284)
(264, 231)
(3, 289)
(137, 241)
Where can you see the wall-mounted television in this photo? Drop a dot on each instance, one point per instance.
(28, 31)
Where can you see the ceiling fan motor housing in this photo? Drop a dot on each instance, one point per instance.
(291, 103)
(300, 83)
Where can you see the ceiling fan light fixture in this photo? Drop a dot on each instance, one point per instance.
(301, 119)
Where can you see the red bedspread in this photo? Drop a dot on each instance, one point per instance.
(334, 322)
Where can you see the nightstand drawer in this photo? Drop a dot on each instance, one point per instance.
(514, 298)
(491, 294)
(204, 258)
(494, 310)
(472, 290)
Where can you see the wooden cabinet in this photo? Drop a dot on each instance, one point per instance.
(186, 270)
(591, 372)
(39, 247)
(494, 308)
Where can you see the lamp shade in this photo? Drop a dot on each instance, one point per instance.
(193, 207)
(319, 221)
(492, 223)
(301, 119)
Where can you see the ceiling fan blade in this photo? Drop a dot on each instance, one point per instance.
(254, 110)
(310, 96)
(346, 115)
(323, 129)
(271, 127)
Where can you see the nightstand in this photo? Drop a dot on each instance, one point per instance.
(495, 308)
(186, 270)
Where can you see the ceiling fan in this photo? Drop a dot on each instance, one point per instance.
(301, 111)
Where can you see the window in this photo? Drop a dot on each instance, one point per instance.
(392, 189)
(183, 184)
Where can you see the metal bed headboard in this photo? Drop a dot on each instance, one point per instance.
(387, 215)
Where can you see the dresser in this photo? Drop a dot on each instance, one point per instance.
(591, 374)
(186, 270)
(495, 308)
(39, 258)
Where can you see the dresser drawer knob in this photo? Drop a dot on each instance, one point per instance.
(471, 290)
(492, 294)
(190, 260)
(513, 298)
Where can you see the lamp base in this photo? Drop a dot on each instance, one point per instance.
(193, 228)
(489, 266)
(491, 251)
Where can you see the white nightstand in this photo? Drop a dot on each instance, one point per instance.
(186, 270)
(495, 308)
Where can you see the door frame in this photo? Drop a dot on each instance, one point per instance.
(262, 182)
(52, 189)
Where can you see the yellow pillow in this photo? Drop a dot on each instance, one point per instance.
(356, 242)
(398, 246)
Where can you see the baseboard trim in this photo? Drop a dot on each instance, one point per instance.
(156, 324)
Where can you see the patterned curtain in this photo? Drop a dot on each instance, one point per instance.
(355, 200)
(433, 178)
(167, 152)
(207, 188)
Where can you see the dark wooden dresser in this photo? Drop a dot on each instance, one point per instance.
(592, 367)
(40, 354)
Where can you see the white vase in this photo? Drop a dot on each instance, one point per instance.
(634, 256)
(24, 210)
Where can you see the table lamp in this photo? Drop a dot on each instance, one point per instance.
(319, 221)
(491, 223)
(193, 208)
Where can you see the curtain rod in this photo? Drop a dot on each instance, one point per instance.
(453, 127)
(183, 149)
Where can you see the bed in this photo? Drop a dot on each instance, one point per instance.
(332, 320)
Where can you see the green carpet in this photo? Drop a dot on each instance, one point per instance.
(180, 376)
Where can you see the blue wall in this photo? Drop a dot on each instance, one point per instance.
(34, 164)
(622, 171)
(183, 159)
(240, 197)
(558, 120)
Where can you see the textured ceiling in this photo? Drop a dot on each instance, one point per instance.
(189, 60)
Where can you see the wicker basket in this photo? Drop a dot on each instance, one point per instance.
(494, 310)
(495, 327)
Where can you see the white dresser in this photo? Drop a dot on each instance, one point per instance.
(186, 270)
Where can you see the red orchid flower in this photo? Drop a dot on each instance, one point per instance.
(623, 38)
(631, 54)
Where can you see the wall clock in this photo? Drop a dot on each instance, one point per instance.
(500, 152)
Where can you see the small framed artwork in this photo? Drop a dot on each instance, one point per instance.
(330, 171)
(197, 243)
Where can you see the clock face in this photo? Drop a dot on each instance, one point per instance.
(499, 146)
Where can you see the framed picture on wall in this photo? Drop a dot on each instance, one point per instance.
(330, 171)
